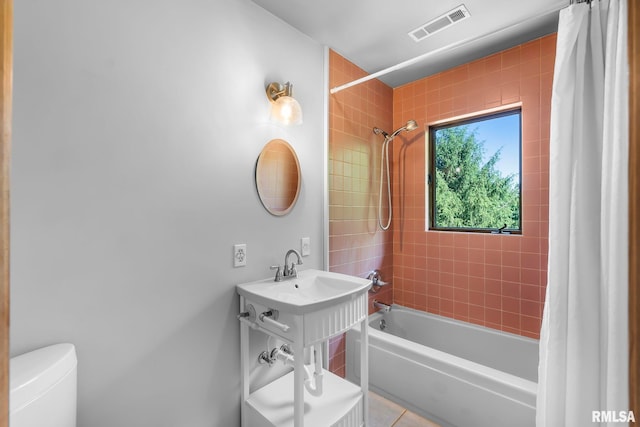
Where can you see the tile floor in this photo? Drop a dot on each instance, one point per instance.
(385, 413)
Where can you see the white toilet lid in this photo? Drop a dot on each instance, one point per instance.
(32, 374)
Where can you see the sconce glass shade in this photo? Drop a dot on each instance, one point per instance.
(286, 110)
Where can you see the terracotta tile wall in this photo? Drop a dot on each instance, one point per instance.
(356, 245)
(492, 280)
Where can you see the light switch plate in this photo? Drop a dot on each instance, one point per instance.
(305, 246)
(240, 255)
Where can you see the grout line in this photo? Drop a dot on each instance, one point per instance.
(398, 419)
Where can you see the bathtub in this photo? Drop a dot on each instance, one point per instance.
(455, 373)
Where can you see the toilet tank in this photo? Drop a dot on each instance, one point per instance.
(43, 386)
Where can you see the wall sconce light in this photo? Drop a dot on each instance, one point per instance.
(284, 108)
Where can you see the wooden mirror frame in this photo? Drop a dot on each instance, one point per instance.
(277, 177)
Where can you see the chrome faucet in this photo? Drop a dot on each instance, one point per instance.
(286, 272)
(291, 271)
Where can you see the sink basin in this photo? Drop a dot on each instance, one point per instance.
(310, 291)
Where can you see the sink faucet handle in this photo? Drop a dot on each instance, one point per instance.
(278, 272)
(292, 271)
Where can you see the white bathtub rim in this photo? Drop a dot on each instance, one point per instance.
(443, 362)
(449, 320)
(492, 380)
(510, 387)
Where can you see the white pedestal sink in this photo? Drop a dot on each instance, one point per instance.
(312, 290)
(304, 311)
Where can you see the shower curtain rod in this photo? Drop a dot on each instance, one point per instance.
(426, 55)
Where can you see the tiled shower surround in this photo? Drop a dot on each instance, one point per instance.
(492, 280)
(356, 244)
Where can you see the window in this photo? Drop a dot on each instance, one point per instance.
(474, 174)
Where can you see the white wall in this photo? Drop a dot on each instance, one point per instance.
(137, 124)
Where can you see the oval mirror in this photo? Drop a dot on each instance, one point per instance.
(278, 177)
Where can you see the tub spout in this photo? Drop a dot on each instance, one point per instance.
(382, 306)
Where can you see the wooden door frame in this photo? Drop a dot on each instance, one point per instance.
(6, 77)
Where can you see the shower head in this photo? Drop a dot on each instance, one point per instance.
(411, 125)
(379, 131)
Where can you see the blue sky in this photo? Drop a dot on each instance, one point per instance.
(501, 132)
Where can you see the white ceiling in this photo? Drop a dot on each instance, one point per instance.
(373, 33)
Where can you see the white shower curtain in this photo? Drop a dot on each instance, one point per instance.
(584, 337)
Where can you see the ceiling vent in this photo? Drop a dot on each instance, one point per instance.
(454, 16)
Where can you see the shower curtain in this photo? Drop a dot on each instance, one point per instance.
(584, 337)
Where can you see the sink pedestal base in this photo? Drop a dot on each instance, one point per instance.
(284, 402)
(340, 405)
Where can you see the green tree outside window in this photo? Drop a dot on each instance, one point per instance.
(469, 191)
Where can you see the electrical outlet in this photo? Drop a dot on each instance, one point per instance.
(305, 246)
(240, 255)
